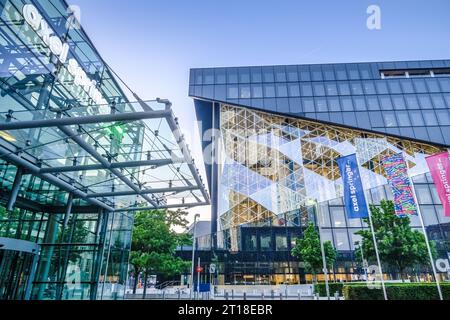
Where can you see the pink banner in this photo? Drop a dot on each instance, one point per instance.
(439, 165)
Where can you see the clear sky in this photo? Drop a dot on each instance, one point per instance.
(152, 44)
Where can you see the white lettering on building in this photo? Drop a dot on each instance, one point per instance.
(61, 50)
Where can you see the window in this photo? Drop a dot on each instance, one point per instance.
(257, 91)
(319, 90)
(403, 119)
(308, 105)
(245, 92)
(386, 103)
(251, 243)
(425, 101)
(268, 74)
(244, 75)
(412, 102)
(316, 73)
(420, 86)
(306, 90)
(341, 72)
(331, 89)
(266, 242)
(357, 88)
(416, 118)
(221, 76)
(280, 74)
(344, 89)
(333, 104)
(281, 243)
(430, 118)
(438, 101)
(338, 217)
(399, 102)
(208, 76)
(444, 117)
(376, 120)
(282, 91)
(423, 194)
(445, 84)
(232, 75)
(369, 87)
(394, 87)
(292, 75)
(269, 91)
(342, 242)
(441, 72)
(372, 103)
(360, 103)
(328, 73)
(433, 85)
(381, 87)
(389, 119)
(353, 72)
(304, 73)
(233, 92)
(347, 104)
(321, 105)
(294, 90)
(365, 72)
(407, 86)
(256, 75)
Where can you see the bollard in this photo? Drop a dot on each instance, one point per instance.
(262, 296)
(287, 294)
(164, 295)
(299, 295)
(272, 293)
(226, 296)
(336, 296)
(232, 294)
(281, 296)
(179, 294)
(245, 296)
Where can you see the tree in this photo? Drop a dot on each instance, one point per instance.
(309, 251)
(399, 245)
(154, 244)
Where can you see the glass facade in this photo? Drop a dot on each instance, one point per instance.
(77, 160)
(278, 148)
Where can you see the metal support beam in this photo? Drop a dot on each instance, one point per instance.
(91, 150)
(184, 149)
(119, 165)
(107, 118)
(15, 189)
(68, 210)
(173, 206)
(143, 192)
(18, 161)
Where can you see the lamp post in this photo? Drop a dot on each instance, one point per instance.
(313, 203)
(197, 216)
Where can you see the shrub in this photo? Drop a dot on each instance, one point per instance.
(401, 291)
(321, 289)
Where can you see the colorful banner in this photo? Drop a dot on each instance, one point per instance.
(397, 174)
(355, 201)
(439, 165)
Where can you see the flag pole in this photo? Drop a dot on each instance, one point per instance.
(377, 253)
(427, 241)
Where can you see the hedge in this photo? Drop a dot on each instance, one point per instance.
(321, 289)
(400, 291)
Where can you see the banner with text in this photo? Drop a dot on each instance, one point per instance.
(397, 174)
(439, 165)
(355, 201)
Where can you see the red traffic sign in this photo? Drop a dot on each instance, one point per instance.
(199, 269)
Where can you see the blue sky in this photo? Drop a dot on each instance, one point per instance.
(152, 44)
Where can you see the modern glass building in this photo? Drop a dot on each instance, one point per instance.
(77, 159)
(275, 133)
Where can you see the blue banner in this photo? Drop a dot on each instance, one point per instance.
(354, 199)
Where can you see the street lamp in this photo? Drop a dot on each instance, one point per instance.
(313, 203)
(197, 216)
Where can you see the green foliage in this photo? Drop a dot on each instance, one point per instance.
(401, 291)
(154, 243)
(309, 251)
(399, 245)
(321, 289)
